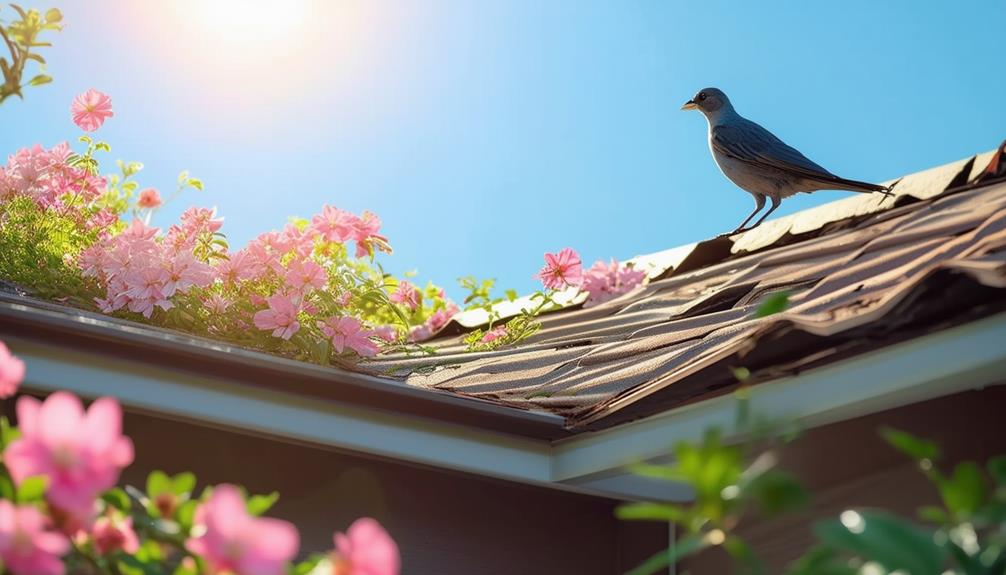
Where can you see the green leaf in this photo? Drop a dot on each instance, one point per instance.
(117, 498)
(32, 489)
(183, 483)
(39, 80)
(196, 183)
(997, 469)
(743, 555)
(684, 547)
(182, 177)
(8, 433)
(886, 539)
(6, 488)
(259, 504)
(964, 491)
(917, 449)
(741, 374)
(773, 304)
(186, 514)
(158, 482)
(651, 512)
(662, 472)
(821, 560)
(933, 514)
(776, 491)
(53, 15)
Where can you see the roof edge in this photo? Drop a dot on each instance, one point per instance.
(75, 329)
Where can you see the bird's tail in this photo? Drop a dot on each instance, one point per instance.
(861, 187)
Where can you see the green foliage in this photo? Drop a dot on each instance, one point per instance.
(259, 504)
(38, 247)
(915, 448)
(32, 489)
(479, 293)
(729, 479)
(21, 39)
(777, 302)
(885, 539)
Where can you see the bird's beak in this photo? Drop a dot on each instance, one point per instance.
(689, 105)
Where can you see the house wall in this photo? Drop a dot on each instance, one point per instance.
(445, 523)
(847, 465)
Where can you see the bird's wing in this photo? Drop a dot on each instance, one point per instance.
(748, 142)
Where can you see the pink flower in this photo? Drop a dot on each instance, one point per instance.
(27, 547)
(440, 317)
(335, 225)
(185, 271)
(494, 334)
(366, 549)
(218, 303)
(344, 298)
(111, 534)
(81, 453)
(301, 275)
(149, 199)
(90, 110)
(11, 372)
(147, 288)
(561, 270)
(240, 265)
(281, 317)
(348, 332)
(388, 333)
(421, 333)
(366, 236)
(605, 281)
(201, 220)
(406, 294)
(231, 540)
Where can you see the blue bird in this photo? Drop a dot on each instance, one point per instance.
(760, 163)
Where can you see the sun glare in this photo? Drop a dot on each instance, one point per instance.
(267, 59)
(247, 29)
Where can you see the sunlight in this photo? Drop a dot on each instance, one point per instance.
(250, 26)
(245, 31)
(240, 57)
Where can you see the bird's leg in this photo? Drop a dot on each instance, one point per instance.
(759, 204)
(776, 202)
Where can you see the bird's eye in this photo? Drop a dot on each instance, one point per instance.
(702, 96)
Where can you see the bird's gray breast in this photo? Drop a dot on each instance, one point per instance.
(756, 180)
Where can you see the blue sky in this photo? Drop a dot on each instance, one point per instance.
(485, 133)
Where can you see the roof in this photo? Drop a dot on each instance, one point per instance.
(860, 272)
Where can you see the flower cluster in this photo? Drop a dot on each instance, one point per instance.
(64, 462)
(141, 271)
(52, 179)
(608, 280)
(562, 271)
(311, 290)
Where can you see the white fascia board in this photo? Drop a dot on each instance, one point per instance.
(966, 357)
(179, 395)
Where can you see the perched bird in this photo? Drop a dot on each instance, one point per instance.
(760, 163)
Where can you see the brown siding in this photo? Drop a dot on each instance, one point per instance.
(445, 523)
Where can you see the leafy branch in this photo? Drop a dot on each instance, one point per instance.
(21, 37)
